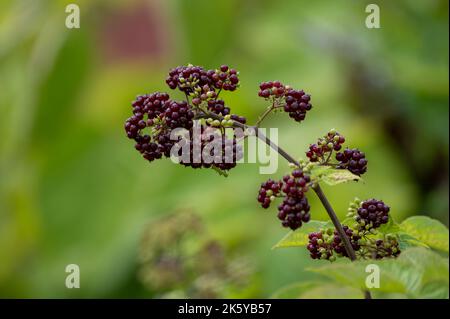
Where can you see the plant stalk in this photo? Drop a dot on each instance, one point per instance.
(323, 199)
(317, 189)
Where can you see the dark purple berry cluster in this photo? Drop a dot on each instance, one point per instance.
(297, 104)
(337, 244)
(224, 156)
(372, 213)
(387, 248)
(268, 191)
(319, 247)
(294, 210)
(218, 107)
(149, 150)
(178, 114)
(325, 244)
(155, 112)
(188, 78)
(271, 89)
(238, 118)
(224, 78)
(202, 83)
(145, 108)
(363, 237)
(156, 115)
(352, 159)
(320, 152)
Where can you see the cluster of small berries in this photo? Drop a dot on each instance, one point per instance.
(155, 115)
(178, 114)
(352, 159)
(332, 141)
(369, 214)
(327, 244)
(386, 248)
(294, 210)
(297, 102)
(205, 85)
(218, 107)
(269, 190)
(200, 83)
(153, 111)
(224, 153)
(272, 89)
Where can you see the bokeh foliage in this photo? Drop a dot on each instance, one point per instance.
(73, 190)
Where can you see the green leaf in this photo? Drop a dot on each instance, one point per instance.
(353, 274)
(333, 176)
(332, 291)
(407, 241)
(391, 227)
(427, 230)
(299, 237)
(317, 290)
(317, 171)
(418, 273)
(294, 291)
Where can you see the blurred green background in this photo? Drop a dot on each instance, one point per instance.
(74, 190)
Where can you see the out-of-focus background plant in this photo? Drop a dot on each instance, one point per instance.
(73, 190)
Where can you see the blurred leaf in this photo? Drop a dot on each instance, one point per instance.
(332, 291)
(299, 237)
(294, 291)
(406, 241)
(317, 290)
(418, 272)
(427, 230)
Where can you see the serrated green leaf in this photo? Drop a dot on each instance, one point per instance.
(317, 171)
(427, 230)
(332, 176)
(407, 241)
(299, 237)
(338, 176)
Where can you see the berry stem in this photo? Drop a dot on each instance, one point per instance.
(335, 220)
(264, 115)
